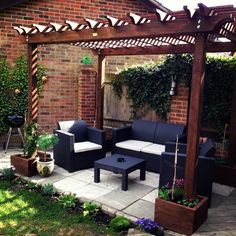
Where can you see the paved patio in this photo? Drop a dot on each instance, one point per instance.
(138, 200)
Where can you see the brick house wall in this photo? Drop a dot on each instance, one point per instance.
(59, 99)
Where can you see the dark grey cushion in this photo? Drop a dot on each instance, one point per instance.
(167, 132)
(143, 130)
(76, 127)
(208, 148)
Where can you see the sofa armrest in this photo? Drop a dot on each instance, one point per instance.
(170, 147)
(96, 136)
(121, 134)
(66, 141)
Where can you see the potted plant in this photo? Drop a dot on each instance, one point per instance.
(176, 213)
(45, 164)
(171, 205)
(25, 163)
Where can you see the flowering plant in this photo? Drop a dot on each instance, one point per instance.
(175, 193)
(177, 190)
(149, 226)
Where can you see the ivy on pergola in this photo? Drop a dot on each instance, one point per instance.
(197, 31)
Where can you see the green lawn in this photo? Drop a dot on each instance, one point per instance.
(29, 213)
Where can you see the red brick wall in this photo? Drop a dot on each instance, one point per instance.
(59, 99)
(179, 106)
(87, 96)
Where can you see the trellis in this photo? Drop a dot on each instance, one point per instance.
(197, 31)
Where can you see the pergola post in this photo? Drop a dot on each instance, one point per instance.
(32, 82)
(100, 91)
(232, 128)
(197, 84)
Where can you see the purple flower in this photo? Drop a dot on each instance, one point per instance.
(147, 224)
(179, 183)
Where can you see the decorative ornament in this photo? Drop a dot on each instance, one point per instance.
(17, 91)
(86, 60)
(44, 79)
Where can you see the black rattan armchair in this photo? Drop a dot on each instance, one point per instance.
(79, 146)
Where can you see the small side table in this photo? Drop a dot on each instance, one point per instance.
(128, 165)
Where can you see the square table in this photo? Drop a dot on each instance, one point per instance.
(120, 164)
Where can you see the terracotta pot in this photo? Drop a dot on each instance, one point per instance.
(179, 218)
(24, 166)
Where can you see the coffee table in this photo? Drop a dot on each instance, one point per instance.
(119, 164)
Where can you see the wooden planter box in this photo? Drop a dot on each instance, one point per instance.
(179, 218)
(24, 166)
(225, 174)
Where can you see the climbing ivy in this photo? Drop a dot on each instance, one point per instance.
(149, 86)
(14, 88)
(218, 92)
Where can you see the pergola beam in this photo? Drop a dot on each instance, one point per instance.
(166, 49)
(170, 28)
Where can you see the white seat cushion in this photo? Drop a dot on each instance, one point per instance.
(134, 145)
(154, 149)
(86, 146)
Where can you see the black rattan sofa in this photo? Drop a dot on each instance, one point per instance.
(145, 139)
(79, 146)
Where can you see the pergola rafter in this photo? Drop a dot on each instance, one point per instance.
(196, 31)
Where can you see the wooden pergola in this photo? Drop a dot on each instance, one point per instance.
(196, 31)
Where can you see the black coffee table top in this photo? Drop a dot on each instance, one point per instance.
(126, 164)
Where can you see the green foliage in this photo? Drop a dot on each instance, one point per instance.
(189, 202)
(119, 223)
(148, 86)
(48, 189)
(177, 190)
(164, 193)
(14, 88)
(8, 173)
(47, 141)
(31, 138)
(31, 185)
(67, 200)
(218, 92)
(90, 209)
(4, 91)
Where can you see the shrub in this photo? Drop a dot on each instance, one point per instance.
(67, 200)
(90, 209)
(8, 173)
(48, 189)
(14, 88)
(119, 223)
(31, 185)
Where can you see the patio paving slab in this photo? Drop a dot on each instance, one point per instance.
(121, 199)
(91, 192)
(49, 180)
(151, 180)
(69, 184)
(141, 209)
(150, 197)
